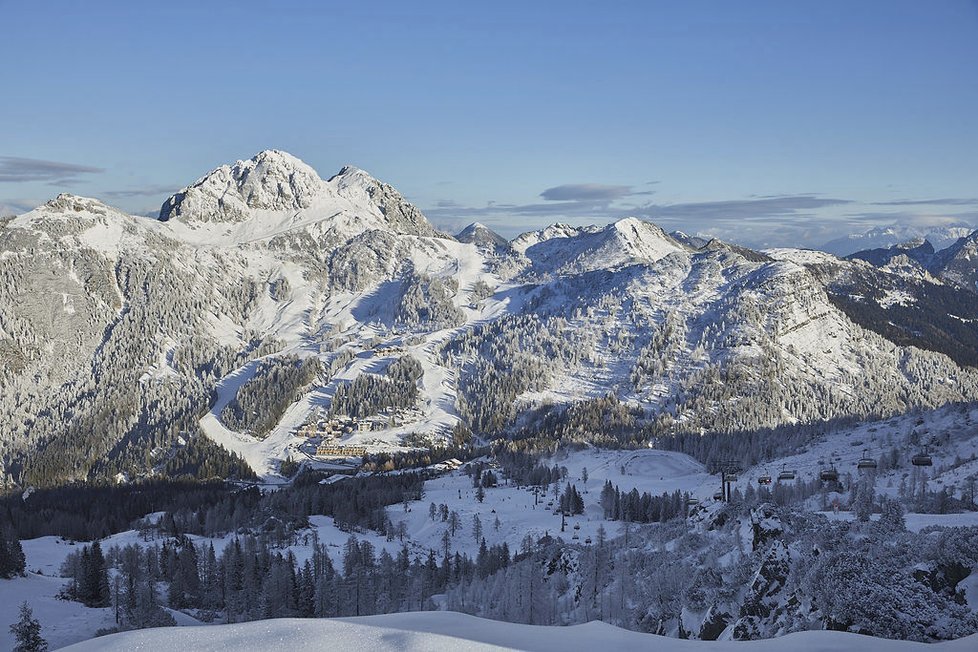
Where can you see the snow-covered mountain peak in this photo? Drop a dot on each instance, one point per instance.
(69, 203)
(351, 174)
(644, 238)
(482, 236)
(355, 188)
(67, 207)
(526, 240)
(270, 180)
(70, 222)
(274, 193)
(692, 241)
(915, 242)
(564, 249)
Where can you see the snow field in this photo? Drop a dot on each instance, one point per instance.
(437, 631)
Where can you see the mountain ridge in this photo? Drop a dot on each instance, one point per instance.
(152, 319)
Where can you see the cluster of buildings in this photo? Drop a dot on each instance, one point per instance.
(335, 427)
(328, 429)
(342, 425)
(328, 448)
(323, 430)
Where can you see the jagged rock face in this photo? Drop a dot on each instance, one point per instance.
(944, 578)
(764, 596)
(714, 623)
(766, 525)
(271, 180)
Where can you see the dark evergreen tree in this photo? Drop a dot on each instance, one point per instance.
(27, 632)
(11, 554)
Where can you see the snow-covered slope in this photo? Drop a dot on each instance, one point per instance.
(452, 631)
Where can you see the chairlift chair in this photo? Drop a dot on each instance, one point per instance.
(866, 462)
(829, 475)
(922, 459)
(786, 474)
(764, 479)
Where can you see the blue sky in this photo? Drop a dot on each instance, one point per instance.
(762, 122)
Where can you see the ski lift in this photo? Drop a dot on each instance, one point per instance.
(575, 537)
(764, 479)
(693, 501)
(922, 458)
(718, 495)
(730, 477)
(786, 474)
(829, 475)
(577, 526)
(587, 541)
(866, 462)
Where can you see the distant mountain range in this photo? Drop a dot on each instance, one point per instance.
(124, 338)
(956, 264)
(888, 236)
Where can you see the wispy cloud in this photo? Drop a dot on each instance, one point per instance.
(761, 208)
(447, 203)
(148, 191)
(14, 169)
(595, 201)
(586, 192)
(923, 220)
(515, 218)
(943, 201)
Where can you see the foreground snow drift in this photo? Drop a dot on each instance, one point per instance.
(453, 631)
